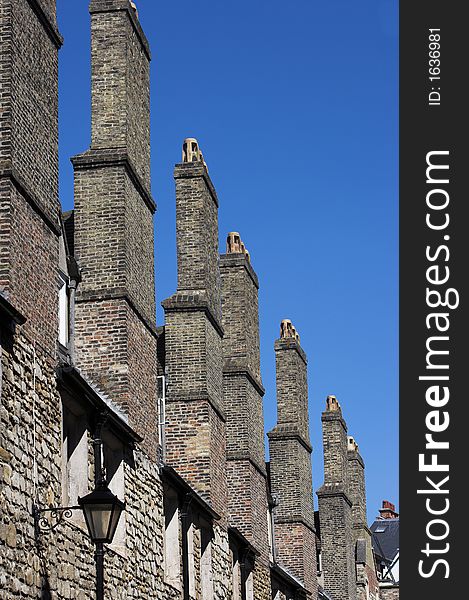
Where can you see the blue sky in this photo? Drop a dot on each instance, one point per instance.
(295, 108)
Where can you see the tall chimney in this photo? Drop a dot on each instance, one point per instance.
(361, 534)
(114, 245)
(290, 462)
(196, 430)
(243, 393)
(29, 201)
(335, 508)
(388, 511)
(356, 485)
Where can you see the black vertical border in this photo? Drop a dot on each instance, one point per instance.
(425, 128)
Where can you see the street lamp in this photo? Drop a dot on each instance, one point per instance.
(102, 510)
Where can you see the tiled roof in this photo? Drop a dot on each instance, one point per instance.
(385, 534)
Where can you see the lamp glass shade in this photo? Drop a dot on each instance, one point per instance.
(102, 510)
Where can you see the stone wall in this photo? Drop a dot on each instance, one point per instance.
(61, 562)
(389, 592)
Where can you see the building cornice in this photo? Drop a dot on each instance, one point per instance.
(114, 157)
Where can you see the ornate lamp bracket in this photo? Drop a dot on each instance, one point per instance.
(48, 519)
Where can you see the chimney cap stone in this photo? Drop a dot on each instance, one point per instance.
(234, 245)
(332, 404)
(388, 511)
(191, 152)
(288, 331)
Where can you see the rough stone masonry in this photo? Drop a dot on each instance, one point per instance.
(175, 410)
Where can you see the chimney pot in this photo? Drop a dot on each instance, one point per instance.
(388, 511)
(234, 245)
(352, 444)
(191, 151)
(287, 330)
(332, 404)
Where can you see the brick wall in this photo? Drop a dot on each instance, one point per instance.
(356, 485)
(292, 385)
(389, 592)
(335, 508)
(29, 205)
(197, 235)
(116, 334)
(120, 79)
(360, 530)
(243, 393)
(195, 429)
(290, 465)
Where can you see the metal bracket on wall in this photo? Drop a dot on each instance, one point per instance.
(48, 519)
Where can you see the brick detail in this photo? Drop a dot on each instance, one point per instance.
(114, 245)
(292, 387)
(335, 508)
(296, 550)
(118, 353)
(360, 530)
(338, 557)
(243, 393)
(114, 239)
(197, 235)
(240, 306)
(290, 466)
(195, 418)
(120, 80)
(29, 204)
(334, 438)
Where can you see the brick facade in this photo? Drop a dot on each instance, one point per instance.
(243, 393)
(196, 421)
(367, 582)
(335, 508)
(29, 203)
(205, 518)
(290, 463)
(113, 231)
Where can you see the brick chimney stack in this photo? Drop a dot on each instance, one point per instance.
(243, 393)
(335, 508)
(290, 462)
(361, 535)
(120, 83)
(356, 484)
(114, 245)
(388, 511)
(29, 201)
(196, 430)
